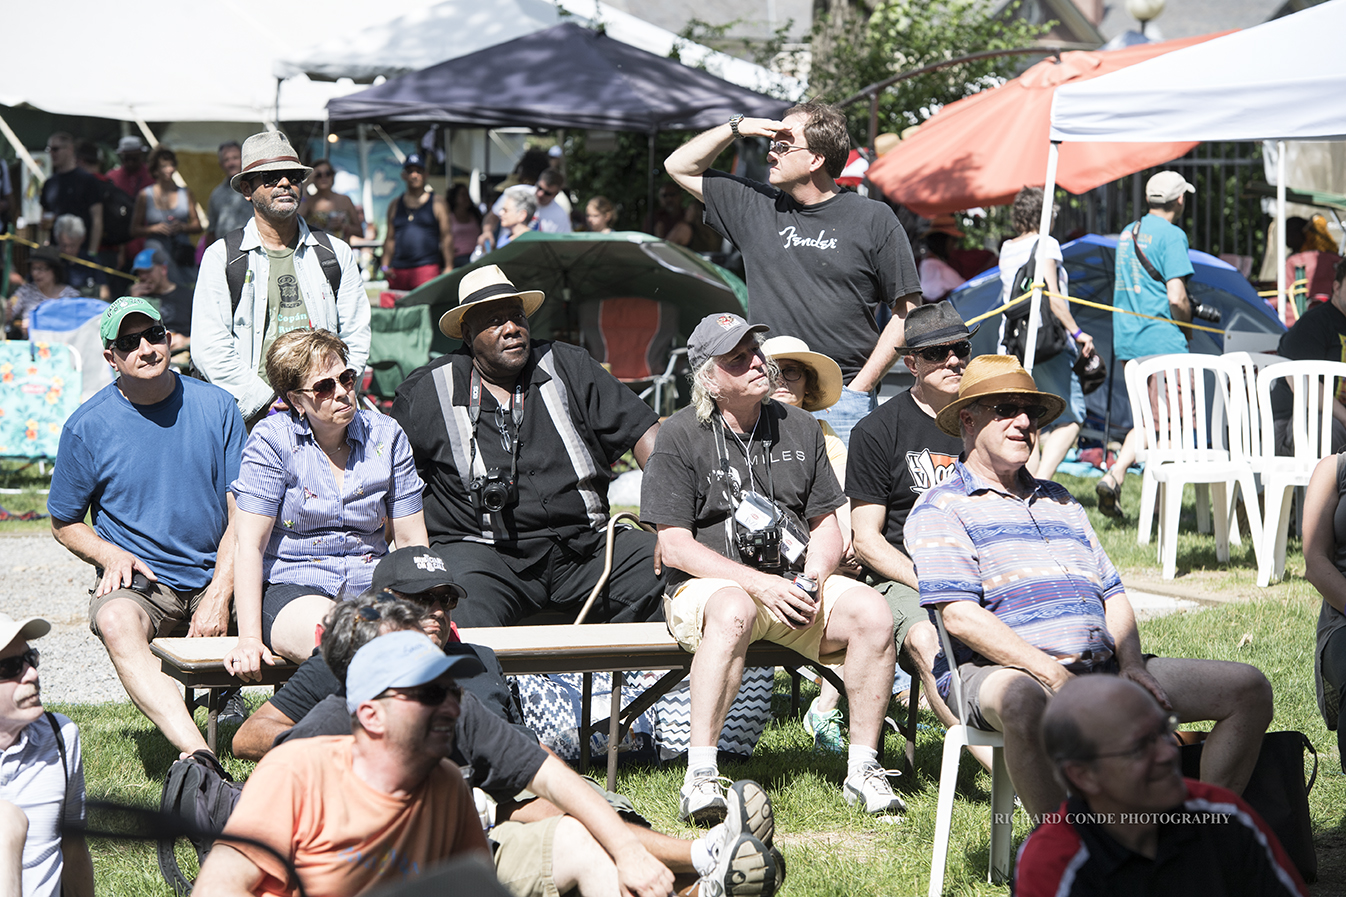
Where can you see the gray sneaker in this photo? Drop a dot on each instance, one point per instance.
(745, 868)
(703, 798)
(870, 789)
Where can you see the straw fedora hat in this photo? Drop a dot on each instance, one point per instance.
(996, 375)
(485, 284)
(267, 151)
(828, 371)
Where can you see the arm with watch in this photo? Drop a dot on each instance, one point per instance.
(687, 163)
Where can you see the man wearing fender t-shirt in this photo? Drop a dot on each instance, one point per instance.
(820, 261)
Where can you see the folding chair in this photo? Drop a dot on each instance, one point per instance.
(1002, 790)
(399, 342)
(634, 337)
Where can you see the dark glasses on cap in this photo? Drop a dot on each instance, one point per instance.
(129, 342)
(272, 178)
(1010, 410)
(12, 668)
(430, 694)
(962, 349)
(326, 387)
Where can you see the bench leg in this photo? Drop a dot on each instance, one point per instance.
(212, 717)
(794, 692)
(614, 728)
(909, 731)
(586, 698)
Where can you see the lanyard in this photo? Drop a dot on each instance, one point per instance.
(515, 412)
(722, 450)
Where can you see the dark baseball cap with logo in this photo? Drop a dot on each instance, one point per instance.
(412, 570)
(717, 334)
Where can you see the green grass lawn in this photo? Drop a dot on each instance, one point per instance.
(31, 495)
(831, 849)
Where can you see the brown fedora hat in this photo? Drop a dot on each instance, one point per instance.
(485, 284)
(996, 375)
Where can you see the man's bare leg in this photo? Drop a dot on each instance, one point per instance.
(580, 862)
(675, 853)
(126, 634)
(1013, 703)
(922, 644)
(1055, 445)
(13, 834)
(862, 625)
(717, 666)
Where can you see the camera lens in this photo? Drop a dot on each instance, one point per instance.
(493, 497)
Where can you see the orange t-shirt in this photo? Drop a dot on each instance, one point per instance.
(343, 836)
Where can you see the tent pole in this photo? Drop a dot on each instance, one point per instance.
(366, 187)
(21, 152)
(1044, 230)
(649, 191)
(326, 144)
(1280, 230)
(278, 83)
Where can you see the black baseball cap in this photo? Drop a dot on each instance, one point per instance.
(414, 569)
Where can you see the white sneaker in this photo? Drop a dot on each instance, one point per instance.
(743, 868)
(703, 798)
(870, 788)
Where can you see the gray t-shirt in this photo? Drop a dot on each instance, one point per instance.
(286, 308)
(684, 484)
(818, 272)
(228, 209)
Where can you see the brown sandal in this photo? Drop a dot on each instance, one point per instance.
(1109, 499)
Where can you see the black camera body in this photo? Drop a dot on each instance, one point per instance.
(1205, 312)
(493, 491)
(760, 548)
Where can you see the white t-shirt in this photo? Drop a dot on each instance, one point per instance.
(551, 218)
(1014, 255)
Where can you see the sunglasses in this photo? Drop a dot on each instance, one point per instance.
(425, 600)
(12, 668)
(1009, 411)
(129, 342)
(543, 191)
(326, 387)
(323, 173)
(781, 148)
(430, 694)
(272, 178)
(962, 349)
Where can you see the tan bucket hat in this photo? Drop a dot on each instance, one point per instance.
(828, 371)
(996, 375)
(485, 284)
(267, 151)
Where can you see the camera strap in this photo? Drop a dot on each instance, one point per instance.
(515, 413)
(722, 450)
(1140, 256)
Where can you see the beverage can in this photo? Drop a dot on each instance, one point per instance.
(808, 586)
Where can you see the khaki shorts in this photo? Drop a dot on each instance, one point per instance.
(905, 604)
(523, 856)
(685, 612)
(168, 610)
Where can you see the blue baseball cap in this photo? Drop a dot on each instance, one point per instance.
(402, 659)
(148, 258)
(415, 160)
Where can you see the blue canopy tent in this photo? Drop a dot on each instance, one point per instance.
(1090, 262)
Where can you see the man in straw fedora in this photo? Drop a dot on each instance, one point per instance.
(1031, 599)
(271, 276)
(514, 439)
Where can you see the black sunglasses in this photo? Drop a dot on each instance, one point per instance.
(430, 694)
(1009, 411)
(272, 178)
(326, 387)
(962, 348)
(12, 668)
(129, 342)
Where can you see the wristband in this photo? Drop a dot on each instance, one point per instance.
(1076, 335)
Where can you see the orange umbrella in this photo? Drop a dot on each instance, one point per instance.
(981, 150)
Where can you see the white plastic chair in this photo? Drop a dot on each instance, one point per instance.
(1312, 383)
(1002, 790)
(1184, 446)
(1243, 369)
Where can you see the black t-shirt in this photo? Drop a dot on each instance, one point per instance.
(684, 485)
(1318, 336)
(818, 272)
(87, 281)
(495, 756)
(72, 193)
(175, 307)
(562, 483)
(897, 452)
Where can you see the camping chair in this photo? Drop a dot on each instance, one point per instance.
(39, 389)
(1002, 789)
(399, 342)
(634, 337)
(1187, 442)
(1314, 384)
(74, 322)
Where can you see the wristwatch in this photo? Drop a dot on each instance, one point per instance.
(733, 125)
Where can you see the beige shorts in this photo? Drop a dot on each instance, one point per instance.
(169, 612)
(685, 612)
(523, 856)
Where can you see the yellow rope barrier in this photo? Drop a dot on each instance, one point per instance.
(70, 258)
(1303, 281)
(1098, 305)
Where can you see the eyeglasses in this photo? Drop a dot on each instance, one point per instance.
(323, 172)
(12, 668)
(543, 191)
(1146, 743)
(791, 372)
(781, 148)
(129, 342)
(58, 147)
(1010, 410)
(962, 349)
(430, 694)
(272, 178)
(326, 387)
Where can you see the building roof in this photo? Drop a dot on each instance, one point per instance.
(1188, 18)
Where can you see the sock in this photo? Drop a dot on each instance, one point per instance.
(699, 758)
(702, 859)
(858, 757)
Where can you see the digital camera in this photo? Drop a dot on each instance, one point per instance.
(760, 548)
(1205, 312)
(493, 491)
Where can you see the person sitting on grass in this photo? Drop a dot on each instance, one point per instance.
(320, 488)
(150, 456)
(568, 836)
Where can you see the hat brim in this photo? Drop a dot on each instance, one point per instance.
(947, 419)
(239, 178)
(27, 629)
(451, 322)
(940, 338)
(829, 377)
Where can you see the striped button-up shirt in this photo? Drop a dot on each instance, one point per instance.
(1034, 562)
(323, 537)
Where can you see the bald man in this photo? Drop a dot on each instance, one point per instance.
(1131, 823)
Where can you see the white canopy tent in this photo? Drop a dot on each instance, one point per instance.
(1282, 80)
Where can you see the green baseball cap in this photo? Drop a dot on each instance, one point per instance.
(119, 309)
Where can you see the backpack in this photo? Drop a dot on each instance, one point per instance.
(199, 794)
(118, 209)
(236, 263)
(1052, 337)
